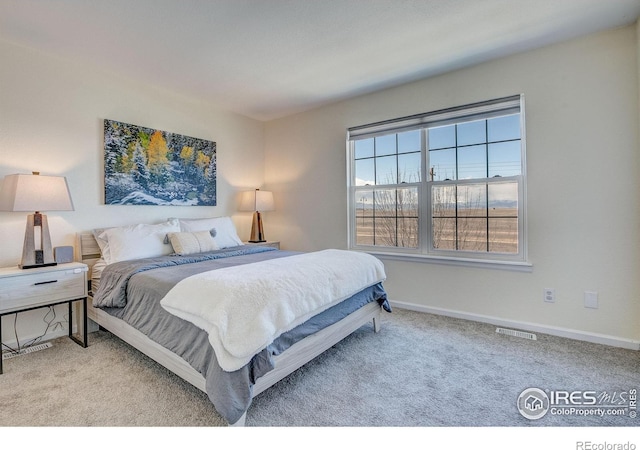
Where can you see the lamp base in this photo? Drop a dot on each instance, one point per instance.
(32, 258)
(257, 233)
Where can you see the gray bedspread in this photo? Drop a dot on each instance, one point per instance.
(132, 290)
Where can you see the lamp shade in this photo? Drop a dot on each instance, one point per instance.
(257, 200)
(21, 192)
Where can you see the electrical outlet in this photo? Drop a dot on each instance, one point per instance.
(590, 299)
(549, 295)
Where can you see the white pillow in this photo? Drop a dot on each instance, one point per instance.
(102, 242)
(186, 243)
(225, 234)
(136, 241)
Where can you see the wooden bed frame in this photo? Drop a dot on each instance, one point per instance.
(287, 362)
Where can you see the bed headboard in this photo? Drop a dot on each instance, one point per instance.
(88, 250)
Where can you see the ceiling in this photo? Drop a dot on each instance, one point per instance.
(269, 58)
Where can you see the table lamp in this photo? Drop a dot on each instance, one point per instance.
(22, 192)
(257, 201)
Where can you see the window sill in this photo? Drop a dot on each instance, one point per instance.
(517, 266)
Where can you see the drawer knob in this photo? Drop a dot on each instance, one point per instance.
(45, 282)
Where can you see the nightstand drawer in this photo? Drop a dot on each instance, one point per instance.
(25, 291)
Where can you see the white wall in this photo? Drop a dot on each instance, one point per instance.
(583, 187)
(51, 119)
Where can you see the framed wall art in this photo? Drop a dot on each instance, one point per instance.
(143, 166)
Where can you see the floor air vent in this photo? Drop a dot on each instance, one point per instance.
(521, 334)
(24, 351)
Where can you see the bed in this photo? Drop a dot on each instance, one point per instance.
(132, 299)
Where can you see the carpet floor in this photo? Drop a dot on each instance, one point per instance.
(421, 370)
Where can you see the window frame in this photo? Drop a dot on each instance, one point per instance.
(424, 250)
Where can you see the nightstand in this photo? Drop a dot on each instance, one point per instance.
(26, 289)
(274, 244)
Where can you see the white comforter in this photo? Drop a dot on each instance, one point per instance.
(244, 308)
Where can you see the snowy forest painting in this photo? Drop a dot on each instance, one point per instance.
(143, 166)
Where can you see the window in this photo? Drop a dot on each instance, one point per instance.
(448, 183)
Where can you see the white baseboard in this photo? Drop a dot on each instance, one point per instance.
(595, 338)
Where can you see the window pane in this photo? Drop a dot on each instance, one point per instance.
(364, 204)
(472, 162)
(409, 168)
(472, 235)
(385, 217)
(443, 233)
(442, 137)
(364, 231)
(395, 222)
(503, 235)
(386, 170)
(364, 217)
(407, 201)
(365, 172)
(472, 200)
(503, 199)
(363, 148)
(408, 233)
(470, 133)
(442, 165)
(385, 231)
(504, 128)
(443, 201)
(409, 141)
(386, 145)
(385, 203)
(504, 159)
